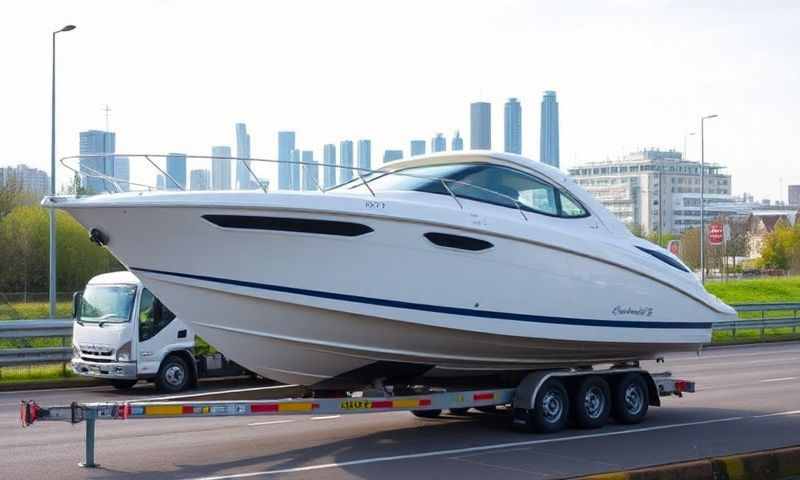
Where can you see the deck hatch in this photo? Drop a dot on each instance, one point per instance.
(287, 224)
(457, 241)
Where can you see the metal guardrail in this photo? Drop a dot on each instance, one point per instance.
(62, 328)
(44, 328)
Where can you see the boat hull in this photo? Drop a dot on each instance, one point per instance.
(319, 309)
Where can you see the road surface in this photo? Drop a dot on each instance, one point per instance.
(748, 399)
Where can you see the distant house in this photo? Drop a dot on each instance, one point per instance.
(763, 222)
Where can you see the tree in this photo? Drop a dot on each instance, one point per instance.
(780, 246)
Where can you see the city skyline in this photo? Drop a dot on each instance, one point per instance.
(742, 75)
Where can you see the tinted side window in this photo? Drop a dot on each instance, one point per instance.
(511, 185)
(569, 207)
(153, 316)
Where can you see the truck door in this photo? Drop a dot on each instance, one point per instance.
(158, 334)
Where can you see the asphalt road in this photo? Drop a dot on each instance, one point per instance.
(748, 399)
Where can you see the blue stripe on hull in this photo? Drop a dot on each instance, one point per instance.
(438, 308)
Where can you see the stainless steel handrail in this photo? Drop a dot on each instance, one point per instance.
(358, 171)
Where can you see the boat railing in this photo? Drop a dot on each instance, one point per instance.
(362, 175)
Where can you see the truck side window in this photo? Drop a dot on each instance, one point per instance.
(153, 316)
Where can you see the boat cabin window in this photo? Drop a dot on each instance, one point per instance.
(153, 316)
(495, 184)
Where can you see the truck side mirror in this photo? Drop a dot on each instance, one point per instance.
(76, 305)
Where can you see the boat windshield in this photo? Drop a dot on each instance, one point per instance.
(107, 303)
(482, 182)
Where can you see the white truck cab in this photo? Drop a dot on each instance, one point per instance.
(123, 333)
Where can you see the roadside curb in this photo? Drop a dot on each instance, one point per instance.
(765, 465)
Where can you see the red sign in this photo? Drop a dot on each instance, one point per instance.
(674, 247)
(716, 233)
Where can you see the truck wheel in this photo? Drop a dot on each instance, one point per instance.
(592, 402)
(630, 399)
(426, 413)
(173, 376)
(123, 384)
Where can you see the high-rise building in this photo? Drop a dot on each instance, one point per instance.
(285, 169)
(794, 195)
(221, 168)
(417, 147)
(176, 171)
(199, 179)
(161, 182)
(548, 136)
(244, 181)
(392, 155)
(329, 170)
(438, 143)
(97, 142)
(480, 120)
(30, 180)
(365, 156)
(346, 160)
(310, 171)
(656, 189)
(295, 176)
(457, 144)
(513, 126)
(122, 172)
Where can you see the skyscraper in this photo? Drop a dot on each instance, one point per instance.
(30, 180)
(310, 171)
(94, 142)
(548, 137)
(244, 180)
(417, 147)
(392, 155)
(457, 143)
(122, 172)
(221, 168)
(295, 170)
(199, 179)
(513, 126)
(480, 116)
(285, 170)
(176, 168)
(161, 182)
(438, 143)
(793, 197)
(346, 160)
(365, 156)
(329, 170)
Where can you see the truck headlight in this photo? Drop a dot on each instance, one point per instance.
(124, 353)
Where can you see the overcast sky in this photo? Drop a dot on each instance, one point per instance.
(177, 75)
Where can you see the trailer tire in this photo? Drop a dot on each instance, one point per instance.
(174, 375)
(123, 384)
(591, 404)
(426, 413)
(630, 399)
(550, 411)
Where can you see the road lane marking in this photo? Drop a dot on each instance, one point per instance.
(272, 422)
(779, 414)
(327, 417)
(455, 451)
(783, 379)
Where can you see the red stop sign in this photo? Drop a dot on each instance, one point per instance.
(715, 233)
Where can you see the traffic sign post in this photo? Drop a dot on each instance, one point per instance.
(715, 233)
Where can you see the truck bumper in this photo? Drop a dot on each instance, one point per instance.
(111, 371)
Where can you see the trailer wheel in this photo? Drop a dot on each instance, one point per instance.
(173, 376)
(123, 384)
(592, 402)
(550, 411)
(426, 413)
(630, 399)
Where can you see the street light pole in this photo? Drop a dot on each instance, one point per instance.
(702, 198)
(52, 283)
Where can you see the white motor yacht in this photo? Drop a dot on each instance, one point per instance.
(438, 267)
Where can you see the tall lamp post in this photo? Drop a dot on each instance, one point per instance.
(52, 286)
(702, 197)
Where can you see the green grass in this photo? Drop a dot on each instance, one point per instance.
(763, 290)
(32, 373)
(32, 310)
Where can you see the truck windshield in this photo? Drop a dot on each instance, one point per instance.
(107, 303)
